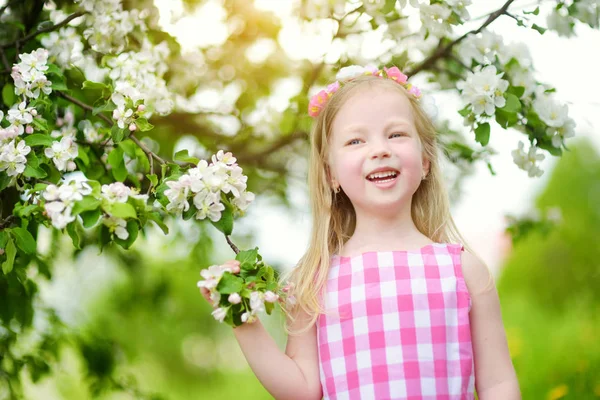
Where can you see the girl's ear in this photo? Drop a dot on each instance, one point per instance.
(426, 166)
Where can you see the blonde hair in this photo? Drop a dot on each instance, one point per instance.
(333, 216)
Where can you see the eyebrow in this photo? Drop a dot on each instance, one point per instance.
(358, 128)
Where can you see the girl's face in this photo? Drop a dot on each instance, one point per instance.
(375, 129)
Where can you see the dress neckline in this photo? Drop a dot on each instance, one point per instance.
(411, 251)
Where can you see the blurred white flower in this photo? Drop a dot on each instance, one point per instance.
(528, 161)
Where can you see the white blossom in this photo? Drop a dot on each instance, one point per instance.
(234, 298)
(484, 90)
(60, 201)
(481, 48)
(62, 152)
(12, 158)
(219, 314)
(116, 225)
(562, 24)
(116, 192)
(271, 297)
(243, 201)
(257, 303)
(528, 160)
(208, 206)
(65, 45)
(434, 19)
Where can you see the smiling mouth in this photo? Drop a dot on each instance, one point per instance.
(382, 177)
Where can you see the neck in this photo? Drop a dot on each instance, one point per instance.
(380, 230)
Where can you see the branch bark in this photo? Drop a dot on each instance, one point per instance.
(443, 51)
(45, 30)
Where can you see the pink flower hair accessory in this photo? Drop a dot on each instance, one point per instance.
(318, 101)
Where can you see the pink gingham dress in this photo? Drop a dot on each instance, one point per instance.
(403, 330)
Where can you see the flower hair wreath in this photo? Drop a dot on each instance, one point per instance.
(346, 74)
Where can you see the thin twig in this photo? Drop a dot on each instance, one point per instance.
(81, 104)
(233, 246)
(146, 150)
(9, 220)
(45, 30)
(443, 51)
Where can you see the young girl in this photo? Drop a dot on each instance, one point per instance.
(389, 303)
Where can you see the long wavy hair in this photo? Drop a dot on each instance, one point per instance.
(333, 216)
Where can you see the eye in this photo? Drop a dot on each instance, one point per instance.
(352, 141)
(398, 133)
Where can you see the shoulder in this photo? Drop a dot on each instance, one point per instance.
(476, 273)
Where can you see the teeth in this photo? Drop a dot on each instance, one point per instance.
(382, 174)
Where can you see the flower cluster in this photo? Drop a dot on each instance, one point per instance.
(61, 199)
(319, 100)
(556, 117)
(247, 302)
(528, 161)
(108, 24)
(12, 157)
(29, 75)
(62, 153)
(139, 75)
(436, 19)
(484, 90)
(204, 183)
(65, 45)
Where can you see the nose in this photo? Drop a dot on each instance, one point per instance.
(380, 149)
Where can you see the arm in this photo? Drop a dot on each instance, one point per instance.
(293, 375)
(495, 376)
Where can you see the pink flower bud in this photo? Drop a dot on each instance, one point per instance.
(132, 127)
(271, 297)
(1, 252)
(34, 112)
(29, 129)
(141, 108)
(234, 298)
(59, 122)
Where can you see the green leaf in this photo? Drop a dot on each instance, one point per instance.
(143, 124)
(4, 180)
(38, 139)
(117, 162)
(73, 229)
(34, 172)
(54, 70)
(538, 28)
(465, 111)
(102, 105)
(482, 134)
(247, 258)
(26, 211)
(153, 178)
(117, 133)
(183, 156)
(517, 90)
(40, 124)
(120, 210)
(24, 239)
(132, 229)
(59, 83)
(225, 224)
(388, 6)
(86, 204)
(230, 283)
(3, 238)
(11, 252)
(90, 218)
(83, 156)
(8, 94)
(158, 219)
(534, 12)
(513, 104)
(94, 85)
(269, 307)
(506, 119)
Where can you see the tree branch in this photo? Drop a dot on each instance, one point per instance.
(45, 30)
(233, 246)
(9, 220)
(110, 122)
(443, 51)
